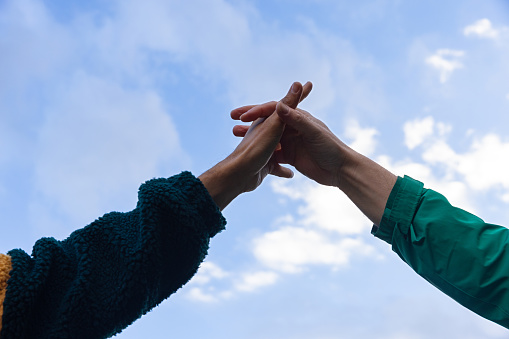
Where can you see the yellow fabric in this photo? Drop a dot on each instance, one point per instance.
(5, 269)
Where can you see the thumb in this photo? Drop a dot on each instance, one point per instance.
(265, 133)
(292, 98)
(294, 118)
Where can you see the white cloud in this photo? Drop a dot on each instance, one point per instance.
(198, 294)
(207, 294)
(481, 28)
(328, 229)
(323, 207)
(252, 281)
(483, 166)
(456, 190)
(505, 198)
(417, 131)
(204, 285)
(446, 61)
(208, 271)
(363, 139)
(239, 44)
(291, 249)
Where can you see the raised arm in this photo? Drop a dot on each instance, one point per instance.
(106, 275)
(454, 250)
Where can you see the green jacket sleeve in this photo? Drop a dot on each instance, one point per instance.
(106, 275)
(454, 250)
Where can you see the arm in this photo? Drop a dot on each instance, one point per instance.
(456, 251)
(106, 275)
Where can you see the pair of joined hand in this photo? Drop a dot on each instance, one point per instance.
(306, 143)
(281, 133)
(254, 158)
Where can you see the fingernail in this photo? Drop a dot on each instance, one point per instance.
(295, 88)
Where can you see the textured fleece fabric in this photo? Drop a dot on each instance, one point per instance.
(108, 274)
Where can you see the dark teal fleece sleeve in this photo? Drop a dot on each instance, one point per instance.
(108, 274)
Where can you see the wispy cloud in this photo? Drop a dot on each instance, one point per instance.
(109, 78)
(209, 271)
(482, 166)
(213, 284)
(327, 229)
(253, 280)
(482, 29)
(361, 139)
(445, 61)
(419, 130)
(98, 142)
(291, 249)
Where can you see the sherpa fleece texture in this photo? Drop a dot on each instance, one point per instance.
(108, 274)
(5, 268)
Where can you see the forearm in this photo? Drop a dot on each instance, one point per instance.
(220, 181)
(367, 184)
(106, 275)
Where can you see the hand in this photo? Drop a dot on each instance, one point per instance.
(316, 152)
(252, 160)
(307, 143)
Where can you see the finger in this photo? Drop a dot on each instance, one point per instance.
(292, 98)
(240, 130)
(279, 157)
(306, 89)
(237, 112)
(254, 112)
(280, 171)
(299, 119)
(259, 111)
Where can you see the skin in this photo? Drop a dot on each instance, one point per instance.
(252, 160)
(309, 145)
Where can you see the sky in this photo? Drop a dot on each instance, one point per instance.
(99, 96)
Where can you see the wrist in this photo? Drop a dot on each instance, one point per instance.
(345, 161)
(221, 184)
(347, 172)
(367, 184)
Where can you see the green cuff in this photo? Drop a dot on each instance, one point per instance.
(400, 208)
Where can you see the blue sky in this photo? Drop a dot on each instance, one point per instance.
(98, 96)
